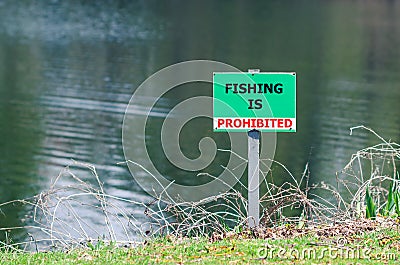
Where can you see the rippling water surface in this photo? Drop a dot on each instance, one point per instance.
(68, 70)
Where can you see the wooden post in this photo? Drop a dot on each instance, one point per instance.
(253, 211)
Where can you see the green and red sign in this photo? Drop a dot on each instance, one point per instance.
(261, 101)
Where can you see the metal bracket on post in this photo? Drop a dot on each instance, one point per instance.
(253, 211)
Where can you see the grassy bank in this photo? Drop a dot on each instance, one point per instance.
(380, 246)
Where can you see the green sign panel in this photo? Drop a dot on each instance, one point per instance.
(261, 101)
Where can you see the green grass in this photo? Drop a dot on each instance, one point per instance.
(370, 210)
(371, 248)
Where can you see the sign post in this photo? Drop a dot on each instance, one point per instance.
(253, 155)
(254, 102)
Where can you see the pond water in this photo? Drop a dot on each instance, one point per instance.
(68, 71)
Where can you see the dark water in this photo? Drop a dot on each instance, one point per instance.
(68, 70)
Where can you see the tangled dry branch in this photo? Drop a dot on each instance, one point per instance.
(60, 214)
